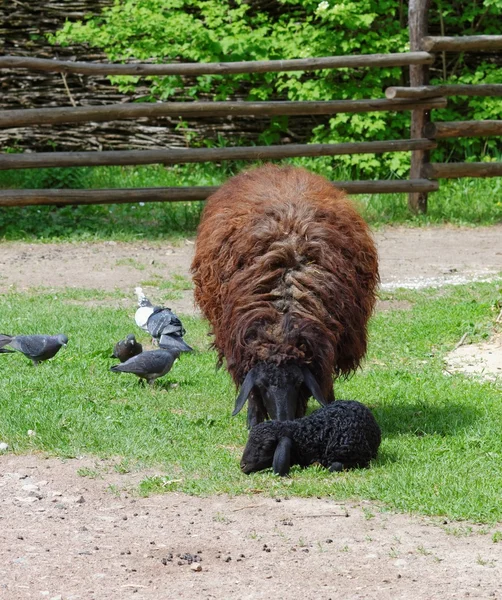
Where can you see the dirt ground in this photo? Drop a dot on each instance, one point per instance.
(66, 537)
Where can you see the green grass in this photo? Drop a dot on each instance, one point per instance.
(464, 201)
(441, 448)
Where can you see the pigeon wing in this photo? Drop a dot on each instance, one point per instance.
(164, 322)
(150, 362)
(32, 345)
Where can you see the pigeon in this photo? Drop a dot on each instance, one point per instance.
(161, 323)
(149, 365)
(127, 348)
(35, 347)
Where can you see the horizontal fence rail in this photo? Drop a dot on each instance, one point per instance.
(454, 129)
(457, 170)
(466, 43)
(182, 194)
(432, 91)
(259, 66)
(51, 116)
(196, 155)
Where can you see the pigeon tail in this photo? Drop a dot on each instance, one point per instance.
(5, 339)
(142, 299)
(174, 343)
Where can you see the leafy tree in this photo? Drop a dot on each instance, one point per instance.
(235, 30)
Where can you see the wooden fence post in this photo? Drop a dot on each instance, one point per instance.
(419, 75)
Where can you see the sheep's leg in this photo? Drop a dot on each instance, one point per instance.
(256, 414)
(336, 466)
(330, 397)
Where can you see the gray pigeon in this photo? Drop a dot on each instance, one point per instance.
(161, 323)
(127, 348)
(35, 347)
(167, 330)
(149, 365)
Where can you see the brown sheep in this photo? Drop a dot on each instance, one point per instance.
(285, 270)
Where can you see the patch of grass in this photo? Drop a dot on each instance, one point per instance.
(130, 262)
(441, 446)
(465, 201)
(89, 473)
(497, 537)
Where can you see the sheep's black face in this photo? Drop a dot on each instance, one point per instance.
(277, 391)
(279, 388)
(260, 448)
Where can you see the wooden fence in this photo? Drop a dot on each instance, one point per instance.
(420, 98)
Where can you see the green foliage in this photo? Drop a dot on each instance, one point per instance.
(441, 446)
(235, 30)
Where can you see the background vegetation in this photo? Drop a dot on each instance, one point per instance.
(234, 30)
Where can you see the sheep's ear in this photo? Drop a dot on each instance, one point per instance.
(246, 388)
(313, 386)
(282, 456)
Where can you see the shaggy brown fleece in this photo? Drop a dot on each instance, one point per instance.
(285, 270)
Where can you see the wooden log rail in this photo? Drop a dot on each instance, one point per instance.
(196, 155)
(433, 91)
(454, 129)
(183, 194)
(50, 116)
(458, 170)
(466, 43)
(258, 66)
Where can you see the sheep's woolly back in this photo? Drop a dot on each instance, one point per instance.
(344, 431)
(285, 269)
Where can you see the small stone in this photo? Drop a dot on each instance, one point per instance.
(4, 447)
(196, 567)
(30, 487)
(35, 494)
(27, 500)
(73, 499)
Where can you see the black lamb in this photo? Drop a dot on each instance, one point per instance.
(341, 435)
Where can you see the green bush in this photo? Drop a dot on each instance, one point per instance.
(234, 30)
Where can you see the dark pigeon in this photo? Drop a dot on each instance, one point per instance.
(35, 347)
(149, 365)
(127, 348)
